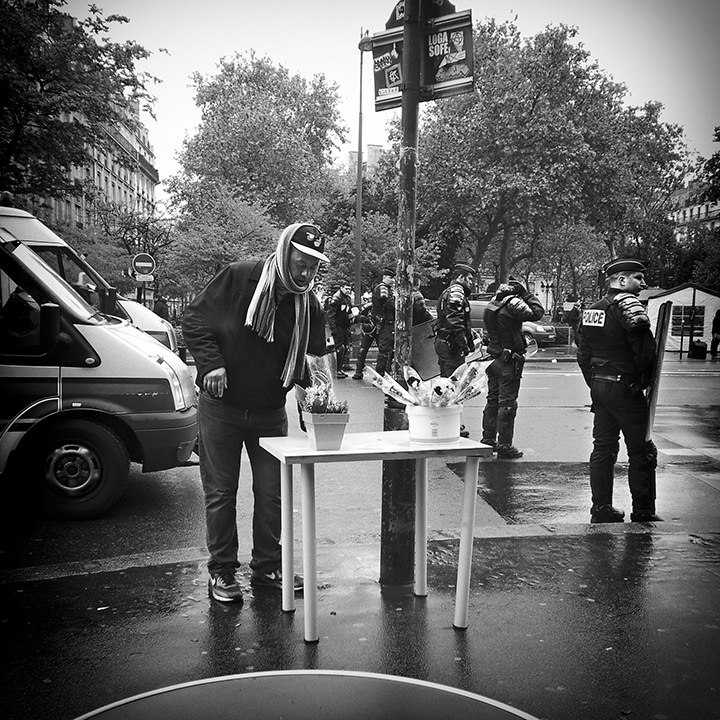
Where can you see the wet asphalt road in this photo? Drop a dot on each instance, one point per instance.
(567, 620)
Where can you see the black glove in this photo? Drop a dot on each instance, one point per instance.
(518, 287)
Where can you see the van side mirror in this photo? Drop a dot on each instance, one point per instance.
(108, 301)
(49, 326)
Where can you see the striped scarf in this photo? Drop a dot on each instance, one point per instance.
(261, 312)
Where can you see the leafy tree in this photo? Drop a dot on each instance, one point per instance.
(63, 84)
(707, 269)
(543, 141)
(218, 229)
(379, 242)
(265, 134)
(710, 173)
(117, 235)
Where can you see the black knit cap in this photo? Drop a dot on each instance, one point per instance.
(388, 271)
(463, 269)
(623, 264)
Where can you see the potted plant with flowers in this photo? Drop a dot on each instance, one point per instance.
(325, 416)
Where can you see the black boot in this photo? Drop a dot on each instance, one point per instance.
(508, 452)
(606, 514)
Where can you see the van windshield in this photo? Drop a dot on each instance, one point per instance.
(83, 279)
(56, 287)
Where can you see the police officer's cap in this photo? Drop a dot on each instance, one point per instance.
(463, 269)
(388, 271)
(623, 265)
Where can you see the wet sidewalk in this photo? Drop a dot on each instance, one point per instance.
(568, 620)
(611, 622)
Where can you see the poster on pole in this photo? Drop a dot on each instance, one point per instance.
(446, 62)
(661, 331)
(387, 69)
(447, 65)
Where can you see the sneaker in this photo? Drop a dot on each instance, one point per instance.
(273, 581)
(464, 432)
(340, 374)
(224, 587)
(357, 376)
(491, 443)
(508, 452)
(606, 514)
(642, 517)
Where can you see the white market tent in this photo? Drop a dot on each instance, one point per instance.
(685, 299)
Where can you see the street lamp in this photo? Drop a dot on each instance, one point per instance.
(548, 288)
(364, 45)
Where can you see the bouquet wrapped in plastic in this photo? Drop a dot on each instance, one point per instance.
(320, 396)
(468, 381)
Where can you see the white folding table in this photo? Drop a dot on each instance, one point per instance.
(392, 445)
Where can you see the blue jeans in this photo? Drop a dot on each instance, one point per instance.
(224, 430)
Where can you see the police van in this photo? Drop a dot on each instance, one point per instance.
(82, 276)
(82, 393)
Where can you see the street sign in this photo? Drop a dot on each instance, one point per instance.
(446, 62)
(143, 264)
(144, 278)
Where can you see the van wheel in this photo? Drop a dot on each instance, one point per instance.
(83, 467)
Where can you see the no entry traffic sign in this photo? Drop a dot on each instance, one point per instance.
(143, 264)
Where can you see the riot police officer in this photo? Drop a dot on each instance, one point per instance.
(454, 338)
(339, 317)
(617, 357)
(383, 316)
(503, 318)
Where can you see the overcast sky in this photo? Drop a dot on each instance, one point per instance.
(662, 50)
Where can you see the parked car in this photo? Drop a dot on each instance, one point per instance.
(83, 277)
(542, 333)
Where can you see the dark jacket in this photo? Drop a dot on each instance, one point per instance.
(503, 321)
(383, 304)
(419, 308)
(453, 318)
(616, 339)
(216, 335)
(161, 309)
(339, 312)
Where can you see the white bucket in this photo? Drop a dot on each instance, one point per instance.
(434, 424)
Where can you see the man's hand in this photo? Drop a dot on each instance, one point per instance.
(215, 382)
(518, 287)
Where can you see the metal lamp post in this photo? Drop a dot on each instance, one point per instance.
(364, 45)
(548, 288)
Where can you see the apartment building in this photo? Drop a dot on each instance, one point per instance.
(688, 209)
(126, 177)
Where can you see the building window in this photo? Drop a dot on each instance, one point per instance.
(682, 317)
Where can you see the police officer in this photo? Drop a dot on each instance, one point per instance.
(383, 316)
(367, 338)
(617, 356)
(339, 316)
(454, 338)
(503, 318)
